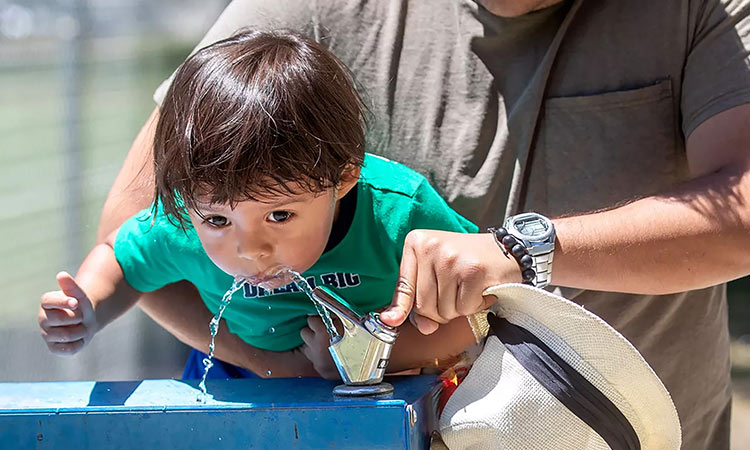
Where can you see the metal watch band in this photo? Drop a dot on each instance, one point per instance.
(543, 268)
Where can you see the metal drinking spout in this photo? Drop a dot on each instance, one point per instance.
(361, 354)
(333, 303)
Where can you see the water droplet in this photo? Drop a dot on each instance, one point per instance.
(272, 330)
(269, 307)
(268, 372)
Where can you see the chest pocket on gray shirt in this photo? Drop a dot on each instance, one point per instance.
(597, 151)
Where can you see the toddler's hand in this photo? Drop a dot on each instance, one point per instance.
(66, 317)
(316, 345)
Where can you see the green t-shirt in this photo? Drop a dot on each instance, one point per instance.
(363, 267)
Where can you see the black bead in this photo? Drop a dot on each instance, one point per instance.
(526, 261)
(528, 274)
(509, 241)
(501, 232)
(518, 250)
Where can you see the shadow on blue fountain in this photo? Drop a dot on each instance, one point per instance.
(297, 413)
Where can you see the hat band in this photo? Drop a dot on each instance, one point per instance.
(567, 385)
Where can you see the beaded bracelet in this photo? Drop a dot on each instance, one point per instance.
(510, 245)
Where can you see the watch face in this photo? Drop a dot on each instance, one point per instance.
(533, 227)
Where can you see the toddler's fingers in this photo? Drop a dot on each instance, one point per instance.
(65, 349)
(316, 324)
(308, 337)
(58, 300)
(68, 334)
(69, 286)
(58, 317)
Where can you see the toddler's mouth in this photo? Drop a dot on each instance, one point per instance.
(270, 279)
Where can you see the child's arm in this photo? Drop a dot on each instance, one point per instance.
(412, 349)
(189, 324)
(439, 349)
(70, 317)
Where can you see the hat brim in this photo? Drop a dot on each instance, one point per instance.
(600, 354)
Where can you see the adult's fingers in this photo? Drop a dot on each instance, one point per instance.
(446, 301)
(69, 286)
(403, 297)
(423, 324)
(469, 299)
(426, 297)
(487, 301)
(469, 294)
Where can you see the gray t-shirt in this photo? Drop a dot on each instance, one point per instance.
(578, 107)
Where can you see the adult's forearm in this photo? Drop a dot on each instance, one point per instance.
(693, 237)
(133, 188)
(179, 309)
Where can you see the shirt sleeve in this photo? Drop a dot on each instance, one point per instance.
(144, 249)
(717, 69)
(298, 15)
(430, 211)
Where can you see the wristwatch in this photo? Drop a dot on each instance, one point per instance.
(537, 234)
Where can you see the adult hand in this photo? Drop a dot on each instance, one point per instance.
(316, 345)
(443, 275)
(66, 317)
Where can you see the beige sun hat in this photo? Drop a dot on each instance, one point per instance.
(502, 405)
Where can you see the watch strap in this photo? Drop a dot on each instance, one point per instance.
(543, 268)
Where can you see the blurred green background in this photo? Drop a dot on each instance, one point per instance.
(76, 85)
(92, 66)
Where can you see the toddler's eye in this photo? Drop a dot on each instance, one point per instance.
(217, 221)
(279, 216)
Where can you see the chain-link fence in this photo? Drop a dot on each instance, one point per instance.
(76, 80)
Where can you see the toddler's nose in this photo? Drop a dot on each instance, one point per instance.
(254, 248)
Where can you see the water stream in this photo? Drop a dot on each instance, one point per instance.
(301, 283)
(214, 327)
(238, 283)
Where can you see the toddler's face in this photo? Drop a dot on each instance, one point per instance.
(255, 239)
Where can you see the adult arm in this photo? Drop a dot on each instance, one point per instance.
(694, 236)
(133, 189)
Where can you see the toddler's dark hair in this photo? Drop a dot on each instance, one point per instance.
(257, 114)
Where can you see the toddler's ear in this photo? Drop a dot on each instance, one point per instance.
(348, 180)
